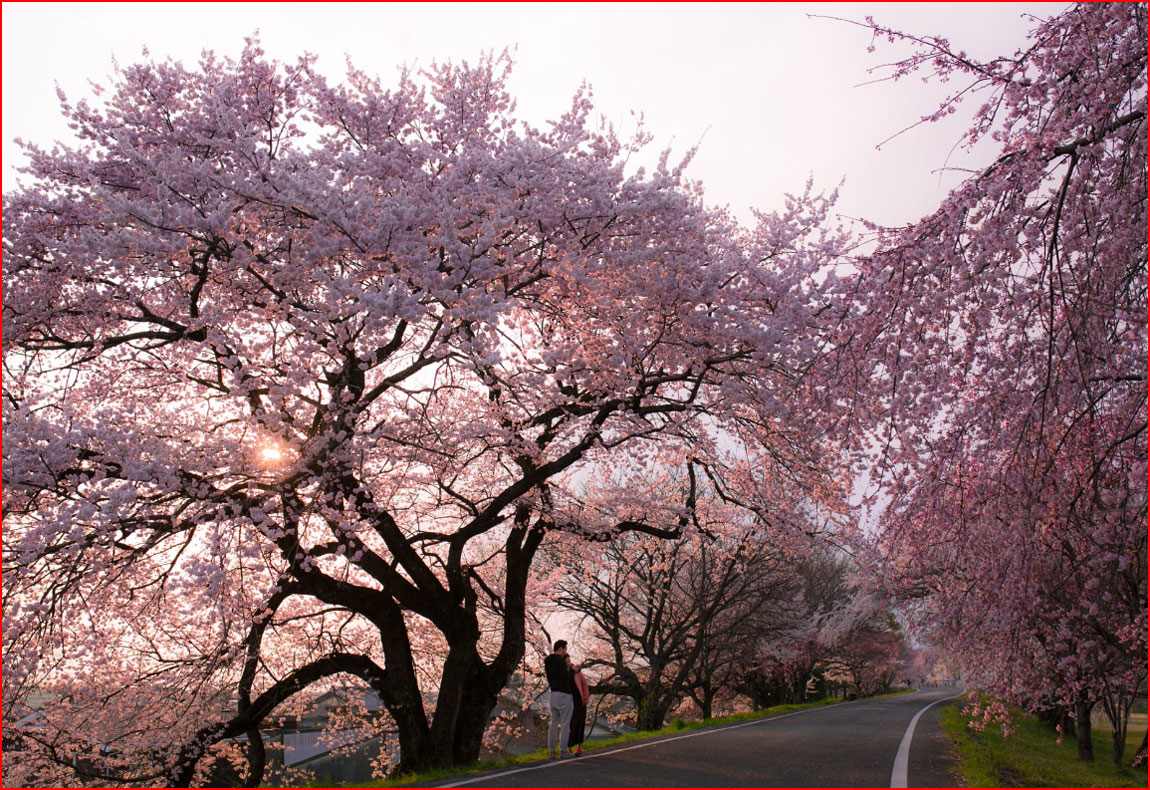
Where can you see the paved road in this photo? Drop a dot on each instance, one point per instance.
(852, 744)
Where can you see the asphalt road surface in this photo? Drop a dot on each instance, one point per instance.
(851, 744)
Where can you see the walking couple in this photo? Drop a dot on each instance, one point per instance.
(569, 696)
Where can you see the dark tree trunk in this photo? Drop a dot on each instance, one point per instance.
(1117, 704)
(652, 712)
(257, 758)
(413, 742)
(704, 696)
(469, 689)
(480, 696)
(799, 687)
(708, 703)
(1082, 720)
(473, 719)
(1059, 718)
(1118, 739)
(468, 692)
(461, 671)
(751, 689)
(762, 692)
(401, 689)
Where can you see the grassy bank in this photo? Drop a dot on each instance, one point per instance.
(539, 755)
(1032, 756)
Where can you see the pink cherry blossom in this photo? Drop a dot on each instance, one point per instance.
(440, 318)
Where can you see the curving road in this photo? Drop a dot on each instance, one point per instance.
(852, 744)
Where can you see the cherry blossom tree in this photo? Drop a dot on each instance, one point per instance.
(782, 670)
(668, 619)
(870, 650)
(843, 635)
(996, 351)
(298, 377)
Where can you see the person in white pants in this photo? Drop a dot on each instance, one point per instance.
(561, 679)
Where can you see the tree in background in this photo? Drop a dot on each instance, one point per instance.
(669, 618)
(994, 361)
(727, 641)
(843, 635)
(764, 616)
(298, 378)
(870, 648)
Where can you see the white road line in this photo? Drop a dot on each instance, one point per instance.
(902, 759)
(644, 745)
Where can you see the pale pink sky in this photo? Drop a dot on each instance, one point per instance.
(773, 94)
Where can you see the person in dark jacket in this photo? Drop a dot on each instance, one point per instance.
(579, 717)
(561, 679)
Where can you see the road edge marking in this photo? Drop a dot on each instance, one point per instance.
(648, 744)
(898, 776)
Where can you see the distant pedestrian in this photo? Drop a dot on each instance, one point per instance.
(562, 682)
(579, 716)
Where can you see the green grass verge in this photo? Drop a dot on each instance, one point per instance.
(895, 693)
(1032, 757)
(540, 755)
